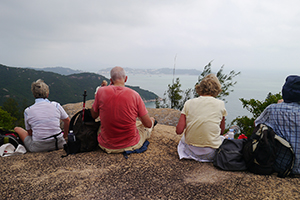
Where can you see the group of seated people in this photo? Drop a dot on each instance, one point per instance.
(202, 119)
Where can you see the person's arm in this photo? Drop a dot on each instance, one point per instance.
(181, 124)
(23, 133)
(222, 126)
(94, 113)
(66, 126)
(147, 121)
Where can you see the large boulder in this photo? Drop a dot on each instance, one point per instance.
(164, 116)
(155, 174)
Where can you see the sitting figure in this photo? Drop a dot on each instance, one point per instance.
(42, 122)
(104, 83)
(118, 107)
(284, 117)
(203, 120)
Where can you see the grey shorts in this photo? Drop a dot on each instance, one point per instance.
(46, 145)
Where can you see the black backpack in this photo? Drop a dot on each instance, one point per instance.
(85, 133)
(266, 153)
(229, 156)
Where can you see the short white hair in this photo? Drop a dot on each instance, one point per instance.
(40, 89)
(117, 73)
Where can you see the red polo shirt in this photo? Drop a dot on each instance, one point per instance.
(118, 109)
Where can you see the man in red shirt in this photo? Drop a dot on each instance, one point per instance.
(118, 108)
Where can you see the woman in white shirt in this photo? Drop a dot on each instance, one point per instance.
(203, 120)
(42, 122)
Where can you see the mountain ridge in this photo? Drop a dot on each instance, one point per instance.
(15, 83)
(59, 70)
(68, 71)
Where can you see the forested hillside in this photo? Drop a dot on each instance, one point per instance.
(16, 83)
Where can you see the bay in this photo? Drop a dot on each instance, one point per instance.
(250, 85)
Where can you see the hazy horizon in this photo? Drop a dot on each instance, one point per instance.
(91, 35)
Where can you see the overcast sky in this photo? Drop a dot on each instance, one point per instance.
(93, 34)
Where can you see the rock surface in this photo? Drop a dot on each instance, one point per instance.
(164, 116)
(154, 174)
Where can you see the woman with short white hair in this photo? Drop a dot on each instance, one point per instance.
(42, 122)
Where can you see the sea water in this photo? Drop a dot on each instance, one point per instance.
(250, 85)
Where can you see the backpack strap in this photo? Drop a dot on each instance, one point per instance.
(291, 165)
(55, 137)
(73, 120)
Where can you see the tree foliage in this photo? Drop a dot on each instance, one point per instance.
(174, 93)
(6, 120)
(175, 98)
(255, 107)
(226, 80)
(11, 106)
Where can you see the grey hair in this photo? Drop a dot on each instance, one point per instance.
(117, 73)
(40, 89)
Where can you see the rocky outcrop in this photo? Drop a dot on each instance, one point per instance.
(155, 174)
(164, 116)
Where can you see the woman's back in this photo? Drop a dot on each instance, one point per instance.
(203, 117)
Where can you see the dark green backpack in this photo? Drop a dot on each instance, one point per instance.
(7, 136)
(266, 153)
(85, 133)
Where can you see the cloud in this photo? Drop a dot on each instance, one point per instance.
(92, 34)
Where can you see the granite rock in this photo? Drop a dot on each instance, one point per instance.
(155, 174)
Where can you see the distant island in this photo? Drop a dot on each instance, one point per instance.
(68, 71)
(155, 71)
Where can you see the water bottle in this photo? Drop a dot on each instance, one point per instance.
(71, 136)
(231, 134)
(235, 128)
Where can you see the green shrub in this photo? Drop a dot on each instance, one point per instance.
(6, 120)
(255, 107)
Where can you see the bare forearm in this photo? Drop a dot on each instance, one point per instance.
(222, 126)
(66, 126)
(66, 130)
(94, 114)
(147, 121)
(181, 124)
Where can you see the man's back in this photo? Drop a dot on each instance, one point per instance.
(118, 108)
(284, 119)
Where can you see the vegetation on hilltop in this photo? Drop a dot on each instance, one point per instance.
(16, 82)
(255, 107)
(6, 120)
(175, 97)
(59, 70)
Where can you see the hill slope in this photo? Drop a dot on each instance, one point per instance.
(16, 82)
(59, 70)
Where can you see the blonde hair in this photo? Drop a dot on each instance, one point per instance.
(104, 83)
(210, 85)
(40, 89)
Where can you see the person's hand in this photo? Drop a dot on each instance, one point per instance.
(280, 101)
